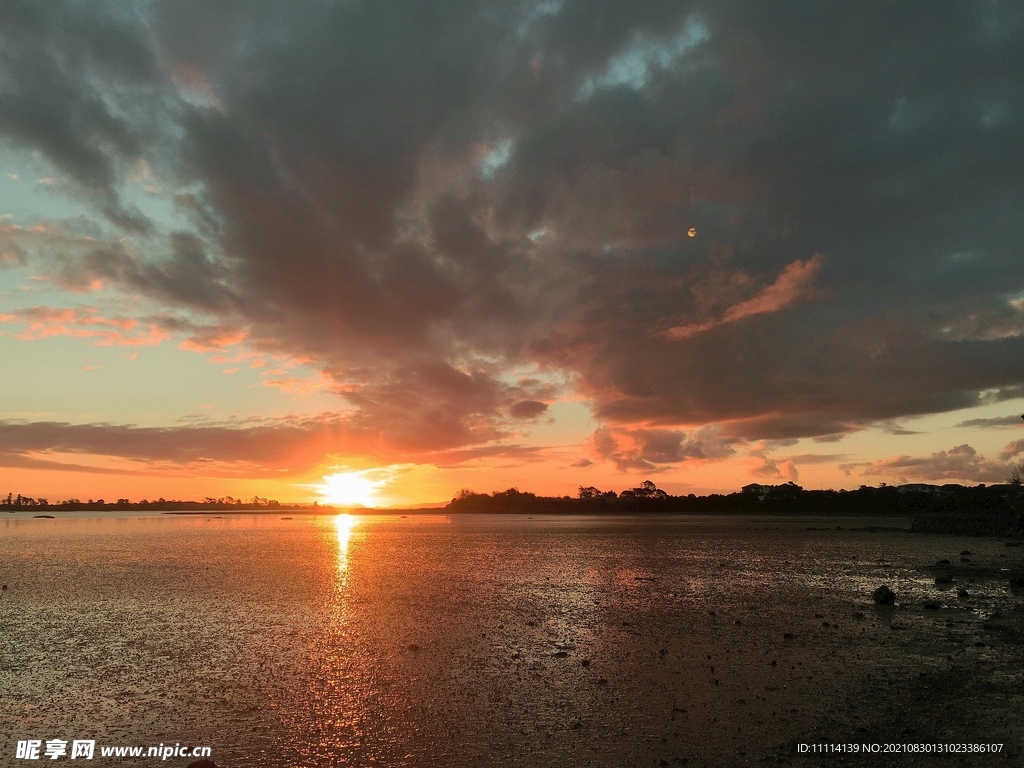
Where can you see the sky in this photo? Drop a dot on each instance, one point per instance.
(419, 247)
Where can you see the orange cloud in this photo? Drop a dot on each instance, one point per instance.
(791, 285)
(83, 323)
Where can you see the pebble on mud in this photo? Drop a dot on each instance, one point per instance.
(883, 595)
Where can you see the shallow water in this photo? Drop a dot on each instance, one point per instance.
(446, 640)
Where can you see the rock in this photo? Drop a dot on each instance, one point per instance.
(883, 595)
(932, 605)
(585, 663)
(963, 594)
(944, 578)
(412, 647)
(603, 681)
(787, 636)
(561, 654)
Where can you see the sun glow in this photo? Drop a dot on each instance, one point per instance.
(349, 489)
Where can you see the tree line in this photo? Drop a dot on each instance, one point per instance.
(993, 506)
(16, 502)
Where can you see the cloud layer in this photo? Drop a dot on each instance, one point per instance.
(422, 198)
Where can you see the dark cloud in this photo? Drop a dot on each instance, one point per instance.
(421, 198)
(266, 444)
(285, 446)
(1012, 450)
(959, 463)
(528, 409)
(81, 86)
(996, 421)
(651, 450)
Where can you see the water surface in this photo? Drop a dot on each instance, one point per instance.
(450, 641)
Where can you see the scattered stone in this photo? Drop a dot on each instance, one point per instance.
(585, 663)
(603, 681)
(561, 654)
(412, 647)
(932, 605)
(787, 636)
(884, 596)
(4, 588)
(737, 622)
(943, 578)
(963, 594)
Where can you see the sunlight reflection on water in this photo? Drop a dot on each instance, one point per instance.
(422, 641)
(343, 525)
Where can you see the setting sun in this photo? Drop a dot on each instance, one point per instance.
(349, 488)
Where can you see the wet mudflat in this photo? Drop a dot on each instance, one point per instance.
(472, 641)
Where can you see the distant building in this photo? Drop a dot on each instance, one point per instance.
(918, 488)
(756, 489)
